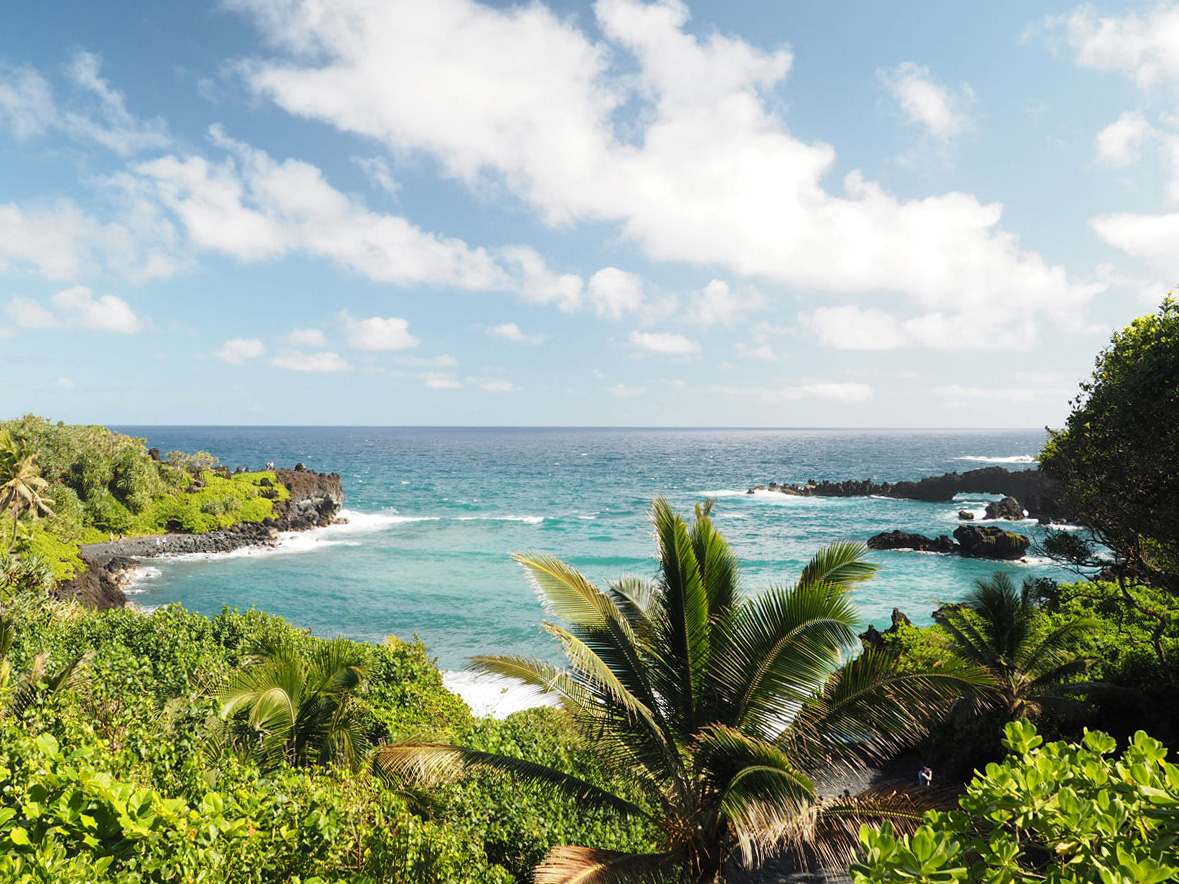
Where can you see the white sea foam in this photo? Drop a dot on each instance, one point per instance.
(1014, 458)
(494, 695)
(531, 520)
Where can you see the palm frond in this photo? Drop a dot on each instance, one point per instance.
(420, 763)
(778, 650)
(585, 865)
(841, 564)
(564, 590)
(869, 708)
(686, 609)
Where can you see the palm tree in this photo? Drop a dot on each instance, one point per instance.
(286, 706)
(1000, 629)
(38, 683)
(21, 486)
(715, 703)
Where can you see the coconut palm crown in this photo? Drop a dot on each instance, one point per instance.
(714, 702)
(1000, 629)
(22, 489)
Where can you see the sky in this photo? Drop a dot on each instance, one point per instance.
(624, 213)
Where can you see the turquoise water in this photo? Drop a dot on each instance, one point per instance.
(434, 513)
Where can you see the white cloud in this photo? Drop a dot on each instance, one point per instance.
(718, 304)
(29, 313)
(975, 327)
(614, 293)
(28, 105)
(76, 308)
(254, 208)
(509, 331)
(379, 333)
(307, 337)
(838, 392)
(537, 283)
(26, 102)
(763, 352)
(663, 342)
(444, 360)
(64, 384)
(926, 103)
(1144, 47)
(377, 171)
(439, 381)
(707, 174)
(325, 361)
(495, 385)
(1120, 143)
(111, 125)
(626, 392)
(238, 351)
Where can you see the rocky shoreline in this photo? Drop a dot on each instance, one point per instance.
(315, 502)
(1039, 495)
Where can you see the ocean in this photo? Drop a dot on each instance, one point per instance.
(434, 514)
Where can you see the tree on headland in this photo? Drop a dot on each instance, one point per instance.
(1116, 461)
(717, 705)
(22, 490)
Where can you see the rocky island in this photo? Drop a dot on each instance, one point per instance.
(1039, 495)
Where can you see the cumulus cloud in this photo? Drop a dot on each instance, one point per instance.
(706, 174)
(1009, 394)
(76, 308)
(718, 304)
(614, 293)
(1120, 143)
(444, 360)
(379, 333)
(239, 351)
(509, 331)
(1145, 47)
(324, 361)
(664, 343)
(253, 207)
(926, 103)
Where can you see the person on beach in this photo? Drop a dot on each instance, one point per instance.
(924, 777)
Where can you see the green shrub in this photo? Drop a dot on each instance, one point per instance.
(1059, 813)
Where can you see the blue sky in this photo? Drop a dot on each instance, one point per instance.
(620, 213)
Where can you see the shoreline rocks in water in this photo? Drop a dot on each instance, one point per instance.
(1039, 494)
(315, 502)
(970, 541)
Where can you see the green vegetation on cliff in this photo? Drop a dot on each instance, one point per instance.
(95, 483)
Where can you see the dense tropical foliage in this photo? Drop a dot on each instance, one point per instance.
(718, 705)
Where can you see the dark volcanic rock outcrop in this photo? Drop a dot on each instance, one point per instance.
(1039, 494)
(315, 502)
(873, 638)
(1007, 508)
(909, 540)
(988, 542)
(966, 515)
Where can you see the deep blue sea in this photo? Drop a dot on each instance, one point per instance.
(435, 512)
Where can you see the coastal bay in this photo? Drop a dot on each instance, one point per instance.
(433, 513)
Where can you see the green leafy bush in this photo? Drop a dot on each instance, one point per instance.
(1057, 813)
